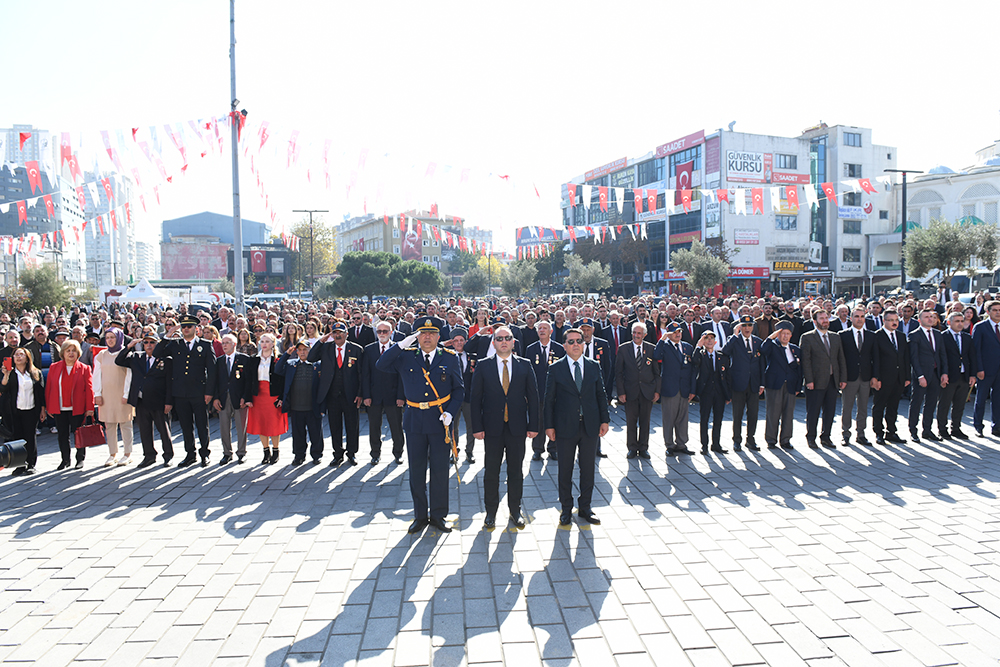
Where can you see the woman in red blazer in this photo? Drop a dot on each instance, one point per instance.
(69, 397)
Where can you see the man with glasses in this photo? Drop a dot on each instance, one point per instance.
(576, 417)
(676, 388)
(382, 393)
(359, 332)
(192, 385)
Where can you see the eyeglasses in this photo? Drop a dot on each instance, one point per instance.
(383, 331)
(503, 338)
(185, 326)
(575, 341)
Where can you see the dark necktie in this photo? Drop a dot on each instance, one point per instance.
(427, 360)
(749, 348)
(578, 375)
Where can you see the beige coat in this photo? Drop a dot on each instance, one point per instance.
(109, 382)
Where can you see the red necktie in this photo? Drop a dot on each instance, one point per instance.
(340, 358)
(691, 330)
(616, 338)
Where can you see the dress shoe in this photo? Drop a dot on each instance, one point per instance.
(166, 461)
(601, 455)
(979, 432)
(470, 459)
(63, 465)
(826, 441)
(719, 450)
(298, 460)
(957, 433)
(188, 460)
(18, 472)
(553, 456)
(787, 445)
(375, 460)
(440, 525)
(30, 470)
(829, 444)
(399, 460)
(930, 436)
(267, 456)
(565, 519)
(204, 462)
(490, 521)
(337, 460)
(812, 444)
(995, 433)
(316, 461)
(536, 457)
(914, 437)
(680, 450)
(861, 441)
(737, 448)
(892, 437)
(239, 460)
(416, 526)
(352, 461)
(274, 456)
(590, 517)
(879, 440)
(644, 455)
(226, 460)
(753, 448)
(517, 520)
(704, 450)
(145, 463)
(772, 445)
(632, 455)
(79, 465)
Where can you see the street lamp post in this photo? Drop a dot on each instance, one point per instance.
(312, 274)
(902, 208)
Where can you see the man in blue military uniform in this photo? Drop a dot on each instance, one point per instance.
(432, 382)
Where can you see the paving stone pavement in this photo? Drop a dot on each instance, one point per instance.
(854, 556)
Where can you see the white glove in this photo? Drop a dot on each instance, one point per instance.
(408, 341)
(446, 418)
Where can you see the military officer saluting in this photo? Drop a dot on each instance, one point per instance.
(432, 383)
(192, 384)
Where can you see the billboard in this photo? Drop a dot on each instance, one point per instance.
(189, 261)
(746, 236)
(620, 163)
(681, 144)
(713, 160)
(748, 167)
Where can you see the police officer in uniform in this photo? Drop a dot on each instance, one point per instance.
(432, 383)
(193, 383)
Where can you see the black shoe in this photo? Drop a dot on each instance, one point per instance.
(879, 440)
(30, 470)
(225, 460)
(772, 445)
(536, 457)
(440, 525)
(188, 460)
(145, 463)
(828, 444)
(787, 445)
(517, 520)
(590, 517)
(352, 461)
(892, 437)
(680, 450)
(979, 432)
(861, 441)
(490, 521)
(298, 460)
(704, 450)
(995, 433)
(79, 465)
(274, 456)
(753, 448)
(416, 526)
(644, 455)
(812, 444)
(957, 433)
(375, 460)
(931, 436)
(914, 437)
(470, 459)
(63, 465)
(737, 448)
(337, 460)
(204, 462)
(267, 456)
(565, 519)
(166, 460)
(601, 455)
(399, 460)
(316, 461)
(554, 456)
(719, 450)
(632, 455)
(239, 460)
(18, 472)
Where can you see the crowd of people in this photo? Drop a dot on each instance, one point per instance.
(508, 370)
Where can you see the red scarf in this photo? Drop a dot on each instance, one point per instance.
(67, 386)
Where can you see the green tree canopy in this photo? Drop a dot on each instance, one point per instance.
(518, 278)
(414, 278)
(44, 287)
(462, 262)
(474, 281)
(704, 270)
(949, 247)
(587, 278)
(366, 273)
(322, 242)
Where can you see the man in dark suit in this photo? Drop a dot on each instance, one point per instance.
(723, 330)
(467, 362)
(690, 329)
(576, 417)
(929, 366)
(746, 376)
(149, 393)
(300, 401)
(192, 384)
(359, 333)
(529, 332)
(986, 343)
(615, 333)
(340, 389)
(825, 373)
(676, 388)
(381, 394)
(782, 380)
(232, 393)
(857, 343)
(504, 413)
(890, 375)
(636, 380)
(712, 388)
(541, 355)
(907, 323)
(615, 336)
(961, 377)
(875, 319)
(598, 350)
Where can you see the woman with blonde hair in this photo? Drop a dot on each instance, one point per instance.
(69, 396)
(22, 392)
(265, 417)
(111, 397)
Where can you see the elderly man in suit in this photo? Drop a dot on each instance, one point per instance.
(576, 417)
(232, 392)
(890, 376)
(148, 383)
(712, 388)
(746, 377)
(504, 413)
(961, 377)
(782, 379)
(541, 355)
(825, 372)
(636, 375)
(382, 394)
(929, 370)
(340, 389)
(857, 342)
(676, 388)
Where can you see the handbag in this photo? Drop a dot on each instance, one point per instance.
(90, 434)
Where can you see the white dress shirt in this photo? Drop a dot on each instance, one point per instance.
(25, 391)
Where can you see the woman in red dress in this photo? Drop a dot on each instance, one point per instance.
(265, 418)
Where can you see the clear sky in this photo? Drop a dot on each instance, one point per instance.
(539, 91)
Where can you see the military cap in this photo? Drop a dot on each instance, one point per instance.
(585, 322)
(673, 326)
(784, 326)
(61, 331)
(428, 324)
(152, 337)
(188, 319)
(338, 326)
(460, 331)
(746, 319)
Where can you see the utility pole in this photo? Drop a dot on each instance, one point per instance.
(234, 121)
(312, 275)
(902, 208)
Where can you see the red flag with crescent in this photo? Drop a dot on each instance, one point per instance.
(651, 200)
(867, 186)
(24, 136)
(81, 198)
(22, 212)
(50, 208)
(142, 200)
(106, 183)
(100, 225)
(683, 174)
(757, 197)
(830, 193)
(722, 195)
(572, 234)
(114, 219)
(685, 199)
(128, 213)
(135, 174)
(76, 233)
(65, 149)
(385, 218)
(74, 168)
(571, 191)
(792, 196)
(34, 175)
(603, 195)
(637, 197)
(258, 261)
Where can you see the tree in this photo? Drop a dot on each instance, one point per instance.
(44, 287)
(719, 248)
(474, 282)
(366, 273)
(414, 278)
(948, 247)
(518, 278)
(324, 241)
(12, 299)
(493, 268)
(586, 277)
(704, 270)
(225, 286)
(462, 262)
(250, 282)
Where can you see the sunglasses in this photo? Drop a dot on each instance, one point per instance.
(575, 341)
(186, 326)
(503, 338)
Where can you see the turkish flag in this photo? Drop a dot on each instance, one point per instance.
(114, 219)
(792, 196)
(637, 197)
(50, 208)
(24, 136)
(34, 175)
(757, 197)
(867, 186)
(829, 192)
(603, 195)
(571, 191)
(81, 198)
(651, 200)
(685, 199)
(434, 210)
(385, 218)
(683, 173)
(74, 168)
(572, 234)
(722, 195)
(65, 150)
(135, 175)
(100, 225)
(22, 212)
(128, 213)
(107, 189)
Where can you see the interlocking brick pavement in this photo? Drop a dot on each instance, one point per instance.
(854, 556)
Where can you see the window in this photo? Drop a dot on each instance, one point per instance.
(426, 243)
(395, 249)
(990, 212)
(427, 259)
(852, 139)
(435, 243)
(852, 170)
(968, 210)
(852, 254)
(852, 226)
(690, 154)
(646, 172)
(852, 199)
(883, 215)
(660, 164)
(395, 232)
(786, 161)
(786, 223)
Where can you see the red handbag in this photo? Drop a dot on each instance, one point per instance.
(89, 435)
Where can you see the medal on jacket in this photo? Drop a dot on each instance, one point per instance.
(198, 348)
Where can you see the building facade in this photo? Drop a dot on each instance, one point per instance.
(36, 147)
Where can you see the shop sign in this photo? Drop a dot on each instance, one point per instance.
(789, 266)
(746, 236)
(786, 253)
